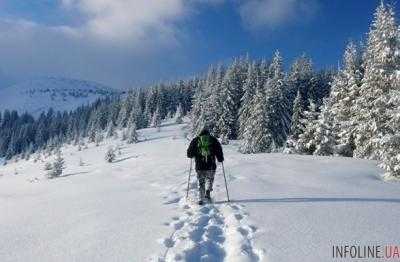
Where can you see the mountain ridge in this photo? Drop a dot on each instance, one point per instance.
(42, 93)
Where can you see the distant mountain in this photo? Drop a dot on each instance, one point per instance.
(40, 94)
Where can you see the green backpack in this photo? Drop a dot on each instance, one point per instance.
(204, 145)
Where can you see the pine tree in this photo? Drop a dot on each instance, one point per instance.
(257, 137)
(213, 108)
(206, 109)
(345, 90)
(297, 126)
(389, 145)
(179, 115)
(382, 62)
(246, 101)
(300, 79)
(156, 119)
(123, 113)
(324, 137)
(197, 117)
(306, 144)
(278, 106)
(229, 101)
(110, 129)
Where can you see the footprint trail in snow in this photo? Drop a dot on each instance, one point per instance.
(208, 233)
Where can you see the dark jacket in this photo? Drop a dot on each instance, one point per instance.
(203, 163)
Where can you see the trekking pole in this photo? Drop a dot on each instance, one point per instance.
(226, 185)
(190, 171)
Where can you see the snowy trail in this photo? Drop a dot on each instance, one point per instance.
(217, 231)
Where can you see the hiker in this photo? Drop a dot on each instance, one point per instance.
(205, 148)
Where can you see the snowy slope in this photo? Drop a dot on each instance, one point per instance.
(284, 207)
(39, 94)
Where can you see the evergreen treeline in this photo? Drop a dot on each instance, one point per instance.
(252, 100)
(360, 118)
(23, 134)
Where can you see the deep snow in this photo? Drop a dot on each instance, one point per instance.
(284, 207)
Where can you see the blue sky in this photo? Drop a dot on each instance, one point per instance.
(127, 43)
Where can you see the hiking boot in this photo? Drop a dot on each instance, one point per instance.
(208, 194)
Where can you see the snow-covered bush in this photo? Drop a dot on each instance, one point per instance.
(57, 167)
(110, 155)
(48, 166)
(290, 146)
(343, 150)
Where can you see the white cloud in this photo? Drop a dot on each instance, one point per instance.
(117, 42)
(127, 20)
(272, 14)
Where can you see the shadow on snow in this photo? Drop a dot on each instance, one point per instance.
(311, 200)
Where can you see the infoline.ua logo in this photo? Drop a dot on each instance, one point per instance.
(366, 251)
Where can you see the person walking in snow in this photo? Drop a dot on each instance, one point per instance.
(205, 149)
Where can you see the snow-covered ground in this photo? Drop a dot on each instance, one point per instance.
(283, 208)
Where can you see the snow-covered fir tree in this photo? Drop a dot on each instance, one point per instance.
(179, 115)
(278, 105)
(324, 138)
(213, 108)
(156, 119)
(306, 143)
(382, 64)
(296, 127)
(389, 144)
(206, 108)
(344, 92)
(110, 129)
(300, 79)
(250, 88)
(196, 114)
(229, 101)
(257, 137)
(123, 113)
